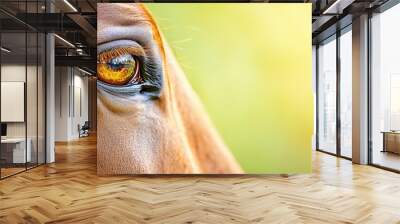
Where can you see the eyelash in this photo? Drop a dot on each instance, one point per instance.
(106, 56)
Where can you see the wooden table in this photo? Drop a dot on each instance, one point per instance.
(391, 141)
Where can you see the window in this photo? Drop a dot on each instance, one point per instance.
(22, 75)
(346, 93)
(385, 89)
(394, 102)
(327, 96)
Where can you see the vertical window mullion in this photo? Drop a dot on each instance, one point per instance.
(26, 86)
(338, 73)
(369, 90)
(0, 92)
(37, 89)
(317, 96)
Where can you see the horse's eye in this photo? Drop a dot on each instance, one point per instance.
(119, 70)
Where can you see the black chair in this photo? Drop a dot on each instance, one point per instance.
(84, 130)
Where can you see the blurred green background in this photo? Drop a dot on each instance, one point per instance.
(251, 66)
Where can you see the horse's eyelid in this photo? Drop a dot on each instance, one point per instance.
(116, 52)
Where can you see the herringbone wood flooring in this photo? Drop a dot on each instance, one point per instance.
(69, 191)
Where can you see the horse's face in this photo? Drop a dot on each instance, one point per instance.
(135, 128)
(149, 119)
(127, 35)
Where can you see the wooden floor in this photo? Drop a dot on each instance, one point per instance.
(5, 172)
(387, 159)
(70, 192)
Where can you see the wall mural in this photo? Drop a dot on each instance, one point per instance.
(204, 88)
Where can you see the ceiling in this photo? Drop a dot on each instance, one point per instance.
(75, 21)
(329, 16)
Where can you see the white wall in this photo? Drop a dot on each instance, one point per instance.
(61, 103)
(80, 110)
(13, 100)
(71, 102)
(16, 73)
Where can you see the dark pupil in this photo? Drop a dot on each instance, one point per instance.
(121, 61)
(115, 65)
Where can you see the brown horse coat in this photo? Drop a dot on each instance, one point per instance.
(160, 128)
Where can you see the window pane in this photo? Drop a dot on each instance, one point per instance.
(31, 98)
(327, 96)
(346, 94)
(386, 89)
(14, 153)
(23, 89)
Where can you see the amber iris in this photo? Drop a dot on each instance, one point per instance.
(119, 70)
